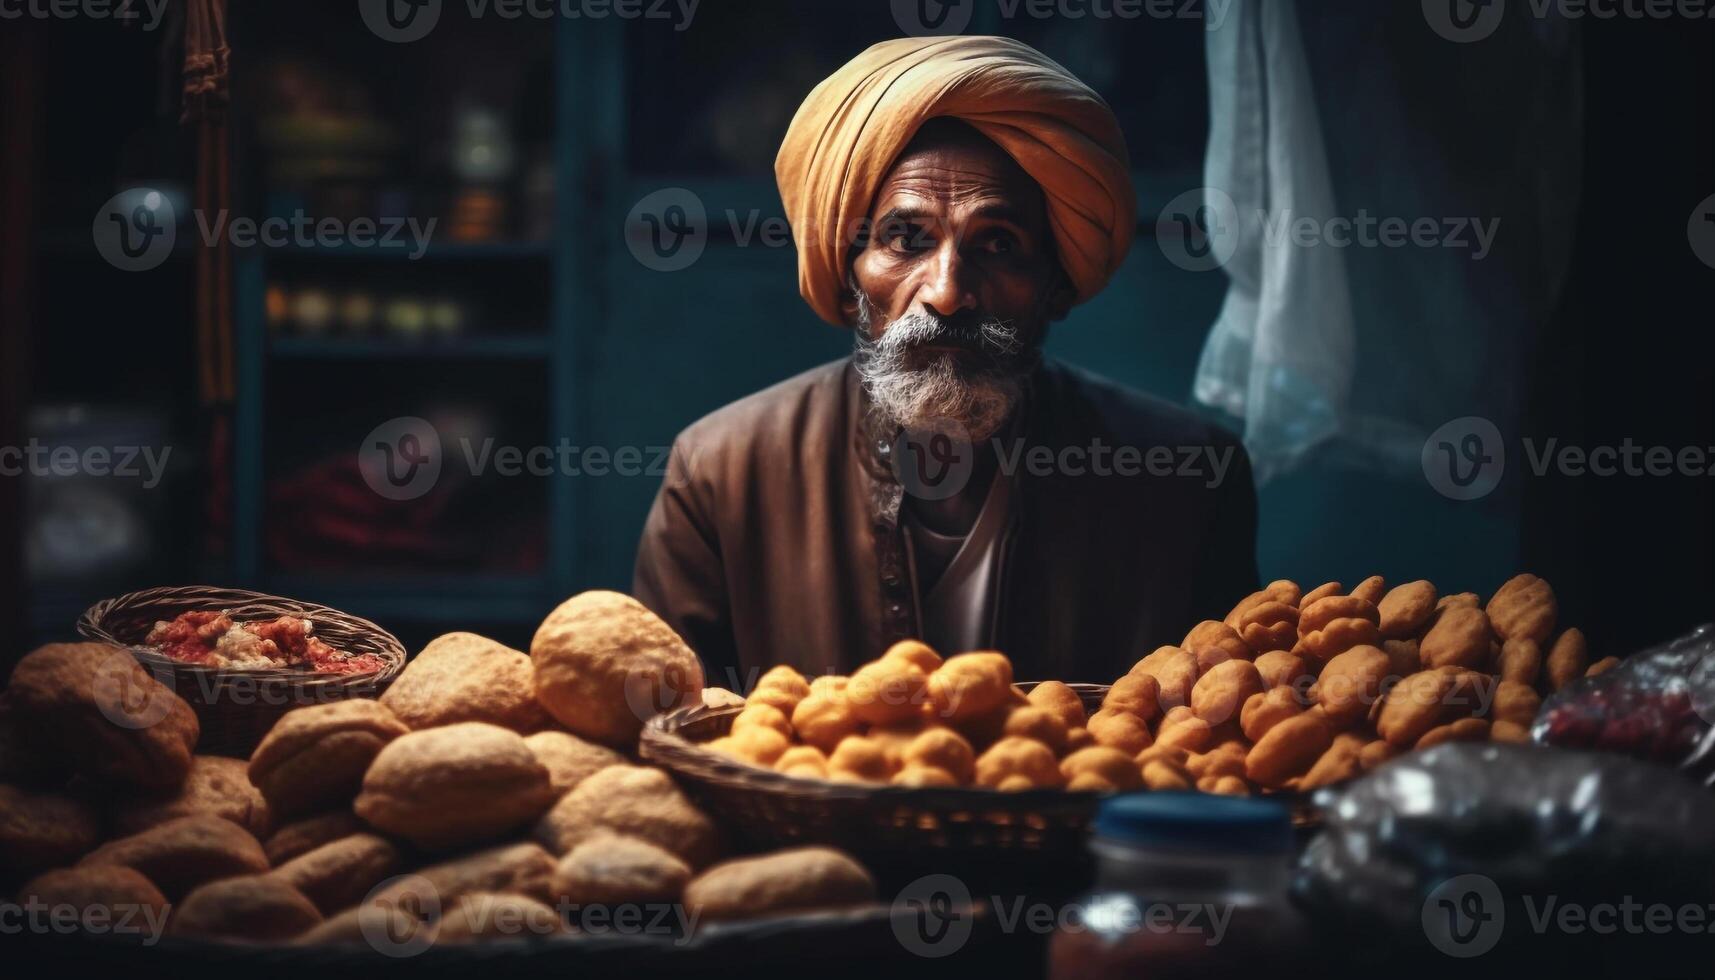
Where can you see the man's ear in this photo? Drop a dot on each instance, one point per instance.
(849, 307)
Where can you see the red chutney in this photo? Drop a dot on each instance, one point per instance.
(212, 639)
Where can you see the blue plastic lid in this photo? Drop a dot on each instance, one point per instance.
(1196, 821)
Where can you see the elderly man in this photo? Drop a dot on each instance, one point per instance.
(949, 197)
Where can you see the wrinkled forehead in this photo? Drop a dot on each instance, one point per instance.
(949, 165)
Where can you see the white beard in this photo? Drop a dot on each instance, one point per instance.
(914, 394)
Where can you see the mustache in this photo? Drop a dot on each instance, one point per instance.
(971, 330)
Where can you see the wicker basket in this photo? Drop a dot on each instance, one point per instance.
(237, 707)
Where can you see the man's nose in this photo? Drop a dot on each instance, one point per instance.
(948, 288)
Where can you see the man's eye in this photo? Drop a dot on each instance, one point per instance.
(906, 238)
(1001, 244)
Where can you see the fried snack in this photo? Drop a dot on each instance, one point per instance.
(803, 879)
(1523, 607)
(1172, 753)
(944, 749)
(1163, 776)
(569, 759)
(466, 677)
(763, 715)
(1463, 730)
(604, 663)
(1079, 738)
(1521, 661)
(304, 836)
(257, 908)
(1509, 731)
(1212, 642)
(1515, 702)
(1372, 590)
(1350, 684)
(216, 785)
(1181, 727)
(1229, 786)
(1222, 690)
(1100, 769)
(615, 869)
(336, 875)
(921, 776)
(757, 745)
(1036, 723)
(314, 758)
(454, 786)
(1459, 638)
(1375, 753)
(122, 896)
(519, 869)
(94, 710)
(1567, 659)
(1263, 711)
(782, 688)
(1018, 763)
(1061, 700)
(1120, 730)
(1135, 694)
(1226, 759)
(1470, 599)
(181, 854)
(915, 652)
(824, 719)
(971, 685)
(1321, 592)
(1405, 609)
(43, 830)
(829, 684)
(1268, 626)
(860, 759)
(720, 697)
(1421, 702)
(887, 691)
(1281, 591)
(492, 915)
(1175, 673)
(635, 800)
(1602, 666)
(1289, 749)
(805, 761)
(1404, 657)
(1336, 624)
(1340, 762)
(1280, 668)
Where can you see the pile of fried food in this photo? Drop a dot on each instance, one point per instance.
(1292, 691)
(488, 794)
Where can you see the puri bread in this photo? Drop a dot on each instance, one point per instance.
(181, 854)
(802, 879)
(255, 908)
(521, 869)
(466, 677)
(613, 869)
(314, 758)
(303, 836)
(569, 758)
(491, 915)
(636, 801)
(99, 713)
(215, 785)
(604, 664)
(131, 904)
(453, 786)
(338, 874)
(43, 830)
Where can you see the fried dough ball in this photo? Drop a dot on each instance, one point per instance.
(1135, 694)
(858, 759)
(1101, 769)
(805, 761)
(887, 692)
(1060, 699)
(781, 687)
(1120, 730)
(915, 652)
(757, 744)
(824, 719)
(1013, 759)
(921, 776)
(970, 685)
(1036, 723)
(944, 749)
(761, 715)
(1213, 642)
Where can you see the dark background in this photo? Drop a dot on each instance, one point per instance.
(558, 332)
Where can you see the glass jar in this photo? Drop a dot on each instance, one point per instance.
(1187, 885)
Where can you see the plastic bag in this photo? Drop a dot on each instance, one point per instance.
(1659, 704)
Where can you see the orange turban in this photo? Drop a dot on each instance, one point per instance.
(847, 134)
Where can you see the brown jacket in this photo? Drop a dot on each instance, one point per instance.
(775, 538)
